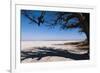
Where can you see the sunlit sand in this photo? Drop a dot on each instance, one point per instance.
(32, 46)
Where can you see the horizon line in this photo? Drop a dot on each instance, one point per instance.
(55, 40)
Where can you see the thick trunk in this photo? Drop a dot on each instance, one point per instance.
(88, 40)
(87, 35)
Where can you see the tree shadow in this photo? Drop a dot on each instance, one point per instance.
(45, 51)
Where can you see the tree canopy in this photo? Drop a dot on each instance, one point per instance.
(66, 20)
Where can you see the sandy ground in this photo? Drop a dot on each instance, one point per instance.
(46, 59)
(31, 46)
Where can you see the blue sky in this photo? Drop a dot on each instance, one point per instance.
(34, 32)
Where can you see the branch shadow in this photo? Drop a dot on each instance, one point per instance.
(45, 51)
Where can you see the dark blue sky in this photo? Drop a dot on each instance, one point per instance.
(34, 32)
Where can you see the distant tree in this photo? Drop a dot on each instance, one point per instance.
(62, 19)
